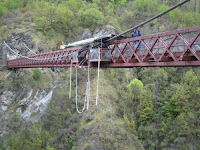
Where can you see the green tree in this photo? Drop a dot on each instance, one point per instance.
(191, 19)
(145, 109)
(91, 18)
(3, 9)
(177, 103)
(37, 138)
(37, 74)
(42, 24)
(145, 6)
(134, 89)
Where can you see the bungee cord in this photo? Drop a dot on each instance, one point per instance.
(80, 112)
(88, 85)
(70, 80)
(155, 100)
(87, 92)
(97, 92)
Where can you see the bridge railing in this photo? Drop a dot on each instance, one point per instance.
(173, 46)
(47, 59)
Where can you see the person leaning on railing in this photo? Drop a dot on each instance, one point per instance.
(136, 33)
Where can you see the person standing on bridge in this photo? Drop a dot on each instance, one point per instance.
(136, 33)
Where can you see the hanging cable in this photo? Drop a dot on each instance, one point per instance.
(86, 94)
(17, 53)
(33, 58)
(155, 101)
(97, 93)
(70, 80)
(29, 49)
(88, 83)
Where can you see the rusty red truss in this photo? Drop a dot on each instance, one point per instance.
(60, 58)
(173, 48)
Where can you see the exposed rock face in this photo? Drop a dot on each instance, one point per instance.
(13, 18)
(180, 140)
(6, 99)
(28, 103)
(99, 32)
(104, 31)
(17, 41)
(86, 34)
(3, 56)
(33, 106)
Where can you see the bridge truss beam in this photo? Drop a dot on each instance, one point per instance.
(172, 48)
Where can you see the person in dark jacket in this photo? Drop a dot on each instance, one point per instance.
(136, 33)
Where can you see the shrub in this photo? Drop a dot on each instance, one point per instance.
(2, 83)
(53, 17)
(17, 83)
(145, 109)
(70, 140)
(91, 18)
(3, 10)
(113, 21)
(37, 74)
(127, 18)
(162, 8)
(145, 5)
(42, 24)
(191, 19)
(176, 14)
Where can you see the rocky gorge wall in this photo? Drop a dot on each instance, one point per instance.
(19, 93)
(3, 56)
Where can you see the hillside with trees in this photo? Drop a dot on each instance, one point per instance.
(131, 101)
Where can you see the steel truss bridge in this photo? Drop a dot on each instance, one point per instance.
(172, 48)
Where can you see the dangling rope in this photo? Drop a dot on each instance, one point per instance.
(88, 84)
(80, 112)
(87, 94)
(70, 80)
(155, 106)
(97, 95)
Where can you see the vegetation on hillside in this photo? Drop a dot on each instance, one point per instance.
(69, 18)
(131, 93)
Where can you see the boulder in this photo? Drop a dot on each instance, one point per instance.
(180, 140)
(88, 117)
(104, 31)
(86, 34)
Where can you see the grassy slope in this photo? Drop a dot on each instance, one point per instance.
(100, 127)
